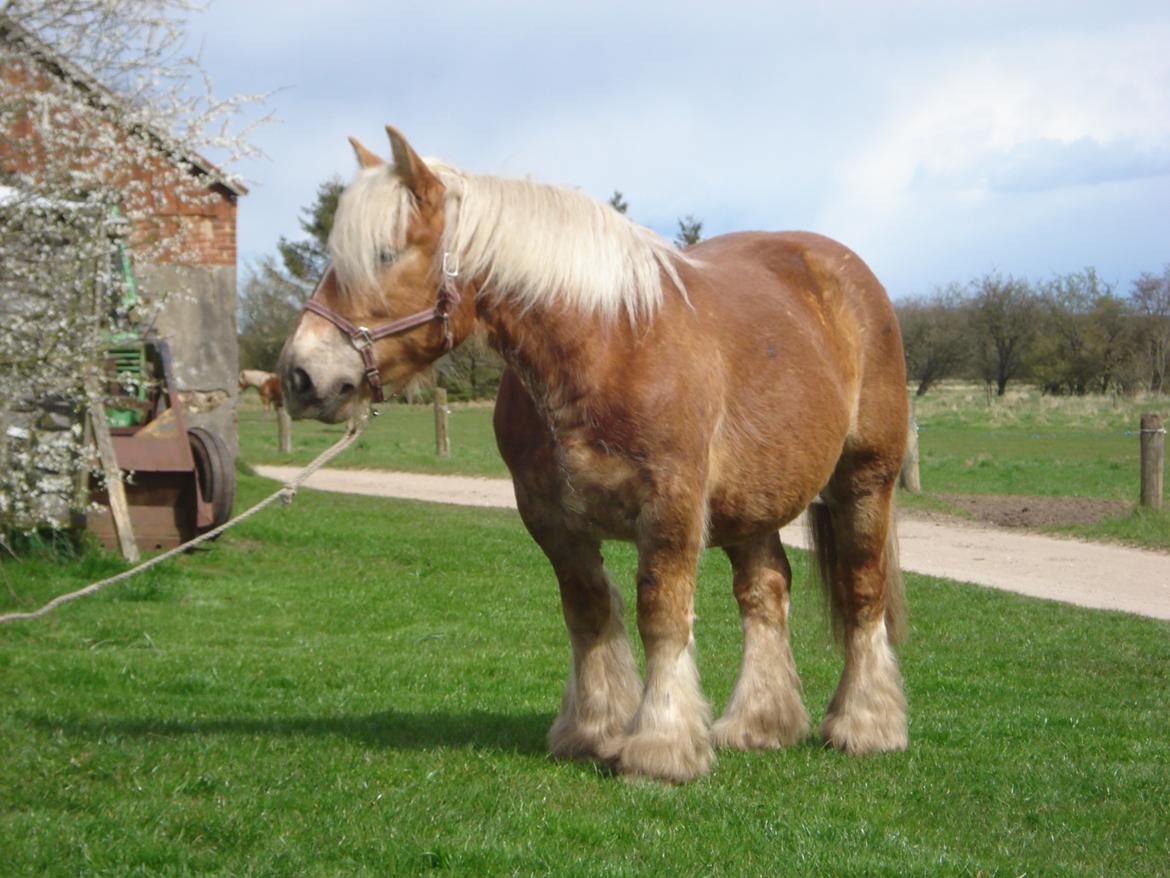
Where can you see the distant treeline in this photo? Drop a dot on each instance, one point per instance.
(1071, 334)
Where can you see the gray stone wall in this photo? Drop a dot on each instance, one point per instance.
(198, 320)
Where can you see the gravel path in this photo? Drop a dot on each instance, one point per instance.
(1094, 575)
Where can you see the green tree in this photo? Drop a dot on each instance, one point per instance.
(306, 259)
(270, 301)
(1084, 333)
(1002, 312)
(471, 371)
(690, 231)
(1151, 301)
(934, 336)
(617, 202)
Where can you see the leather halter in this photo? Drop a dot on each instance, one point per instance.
(363, 338)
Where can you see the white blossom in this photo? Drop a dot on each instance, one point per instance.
(120, 117)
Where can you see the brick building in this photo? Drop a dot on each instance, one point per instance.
(183, 210)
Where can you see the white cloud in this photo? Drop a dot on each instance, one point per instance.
(978, 148)
(1109, 89)
(886, 125)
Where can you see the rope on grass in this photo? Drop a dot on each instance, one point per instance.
(285, 495)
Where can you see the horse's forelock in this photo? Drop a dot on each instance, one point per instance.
(373, 214)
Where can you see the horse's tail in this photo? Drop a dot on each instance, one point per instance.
(825, 549)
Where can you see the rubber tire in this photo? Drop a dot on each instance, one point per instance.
(215, 472)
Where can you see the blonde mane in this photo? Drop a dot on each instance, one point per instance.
(531, 242)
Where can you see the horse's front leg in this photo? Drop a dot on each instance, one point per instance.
(669, 736)
(602, 691)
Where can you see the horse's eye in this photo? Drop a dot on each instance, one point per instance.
(386, 256)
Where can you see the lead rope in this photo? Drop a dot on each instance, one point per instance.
(285, 495)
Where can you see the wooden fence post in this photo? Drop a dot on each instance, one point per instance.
(284, 425)
(442, 437)
(1153, 442)
(115, 490)
(911, 480)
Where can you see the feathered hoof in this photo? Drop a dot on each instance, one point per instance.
(760, 731)
(866, 732)
(658, 757)
(568, 740)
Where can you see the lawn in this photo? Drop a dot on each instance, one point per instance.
(401, 438)
(352, 686)
(1030, 444)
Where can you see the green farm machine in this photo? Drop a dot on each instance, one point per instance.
(180, 479)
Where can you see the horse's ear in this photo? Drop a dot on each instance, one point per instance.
(365, 158)
(411, 170)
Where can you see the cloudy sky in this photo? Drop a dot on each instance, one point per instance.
(939, 140)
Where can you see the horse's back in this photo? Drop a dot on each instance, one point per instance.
(807, 301)
(812, 363)
(786, 265)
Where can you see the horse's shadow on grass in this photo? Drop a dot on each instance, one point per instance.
(522, 733)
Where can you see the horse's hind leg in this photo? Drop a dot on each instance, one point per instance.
(765, 711)
(602, 691)
(853, 534)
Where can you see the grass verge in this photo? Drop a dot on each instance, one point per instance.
(401, 438)
(353, 686)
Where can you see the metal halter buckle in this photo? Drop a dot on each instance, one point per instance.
(450, 264)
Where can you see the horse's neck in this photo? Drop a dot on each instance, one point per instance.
(560, 357)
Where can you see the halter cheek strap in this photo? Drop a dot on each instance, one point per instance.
(363, 338)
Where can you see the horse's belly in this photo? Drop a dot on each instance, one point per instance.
(733, 516)
(754, 487)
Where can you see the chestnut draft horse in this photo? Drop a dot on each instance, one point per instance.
(675, 400)
(267, 384)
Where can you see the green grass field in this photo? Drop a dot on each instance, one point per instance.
(1030, 444)
(401, 438)
(353, 686)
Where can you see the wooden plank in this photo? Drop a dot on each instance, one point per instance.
(117, 492)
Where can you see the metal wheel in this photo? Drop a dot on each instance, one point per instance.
(214, 471)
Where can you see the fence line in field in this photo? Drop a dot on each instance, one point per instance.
(1061, 434)
(1152, 452)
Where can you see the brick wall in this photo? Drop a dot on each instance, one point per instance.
(172, 200)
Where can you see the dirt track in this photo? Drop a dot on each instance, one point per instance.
(1089, 574)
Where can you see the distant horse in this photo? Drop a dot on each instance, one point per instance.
(267, 384)
(675, 400)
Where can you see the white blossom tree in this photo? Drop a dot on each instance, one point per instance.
(104, 124)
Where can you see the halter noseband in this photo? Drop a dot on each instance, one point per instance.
(363, 338)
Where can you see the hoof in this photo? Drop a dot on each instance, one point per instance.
(567, 740)
(658, 757)
(866, 732)
(760, 731)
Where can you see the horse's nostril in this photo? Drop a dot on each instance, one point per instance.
(301, 382)
(346, 389)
